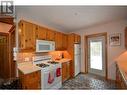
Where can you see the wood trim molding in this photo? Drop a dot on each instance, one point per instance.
(12, 28)
(86, 51)
(4, 34)
(7, 19)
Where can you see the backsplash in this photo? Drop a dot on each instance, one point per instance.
(25, 57)
(58, 54)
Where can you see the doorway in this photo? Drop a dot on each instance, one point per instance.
(4, 67)
(96, 54)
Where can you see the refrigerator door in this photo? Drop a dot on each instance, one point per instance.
(77, 64)
(77, 49)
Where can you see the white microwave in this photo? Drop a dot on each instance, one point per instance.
(45, 46)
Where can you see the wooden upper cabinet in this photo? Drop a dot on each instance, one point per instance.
(61, 41)
(50, 35)
(26, 35)
(58, 40)
(41, 33)
(64, 41)
(77, 38)
(126, 37)
(74, 38)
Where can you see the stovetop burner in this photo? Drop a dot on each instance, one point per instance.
(42, 65)
(53, 62)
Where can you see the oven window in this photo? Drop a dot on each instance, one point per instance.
(44, 47)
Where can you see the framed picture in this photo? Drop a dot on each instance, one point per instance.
(115, 39)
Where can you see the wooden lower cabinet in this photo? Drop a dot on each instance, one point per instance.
(65, 71)
(119, 79)
(30, 81)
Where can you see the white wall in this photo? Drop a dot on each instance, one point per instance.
(33, 19)
(113, 52)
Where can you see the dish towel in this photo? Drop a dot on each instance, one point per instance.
(51, 77)
(58, 72)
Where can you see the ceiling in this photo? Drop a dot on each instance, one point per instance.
(71, 18)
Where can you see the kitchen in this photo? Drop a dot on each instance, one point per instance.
(47, 58)
(46, 42)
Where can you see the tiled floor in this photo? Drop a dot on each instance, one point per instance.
(89, 81)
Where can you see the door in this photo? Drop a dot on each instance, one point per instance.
(96, 55)
(4, 56)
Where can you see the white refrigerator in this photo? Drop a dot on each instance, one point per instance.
(77, 58)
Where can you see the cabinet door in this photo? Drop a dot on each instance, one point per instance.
(58, 40)
(26, 35)
(79, 39)
(64, 41)
(30, 81)
(76, 38)
(68, 70)
(64, 72)
(50, 35)
(41, 33)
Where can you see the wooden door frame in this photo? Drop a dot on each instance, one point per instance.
(11, 61)
(7, 35)
(86, 51)
(9, 48)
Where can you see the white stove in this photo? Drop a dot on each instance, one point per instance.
(51, 73)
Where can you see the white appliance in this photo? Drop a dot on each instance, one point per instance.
(77, 58)
(45, 46)
(48, 66)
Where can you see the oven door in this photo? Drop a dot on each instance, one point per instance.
(45, 79)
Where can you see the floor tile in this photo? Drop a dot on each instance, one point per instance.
(89, 81)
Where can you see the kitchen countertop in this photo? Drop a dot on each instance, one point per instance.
(28, 67)
(63, 60)
(123, 70)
